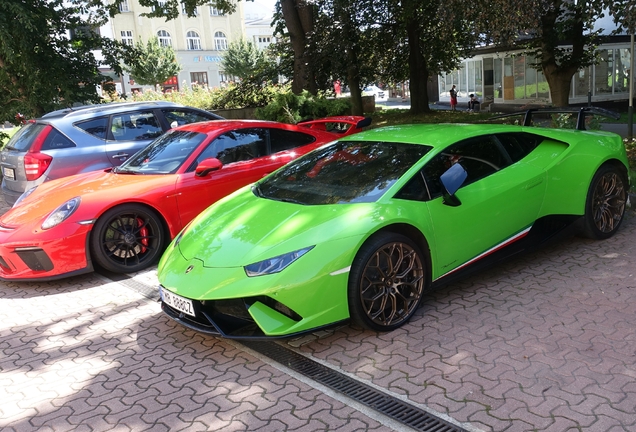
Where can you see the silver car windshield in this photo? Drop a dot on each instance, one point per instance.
(343, 172)
(164, 155)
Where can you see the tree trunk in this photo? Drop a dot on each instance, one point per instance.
(559, 80)
(298, 16)
(353, 79)
(559, 74)
(418, 70)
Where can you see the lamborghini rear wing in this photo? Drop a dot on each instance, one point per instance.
(582, 113)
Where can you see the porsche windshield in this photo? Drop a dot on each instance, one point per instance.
(164, 155)
(343, 172)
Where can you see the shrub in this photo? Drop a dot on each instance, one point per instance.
(290, 108)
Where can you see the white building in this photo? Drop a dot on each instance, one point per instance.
(199, 41)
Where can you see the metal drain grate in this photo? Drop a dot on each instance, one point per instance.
(390, 406)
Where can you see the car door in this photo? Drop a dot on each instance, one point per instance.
(245, 159)
(130, 132)
(247, 155)
(499, 199)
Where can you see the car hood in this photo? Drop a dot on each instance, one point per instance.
(100, 186)
(247, 229)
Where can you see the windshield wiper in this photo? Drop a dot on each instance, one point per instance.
(120, 170)
(287, 200)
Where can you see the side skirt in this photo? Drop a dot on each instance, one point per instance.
(544, 231)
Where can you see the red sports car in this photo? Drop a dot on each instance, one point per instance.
(121, 219)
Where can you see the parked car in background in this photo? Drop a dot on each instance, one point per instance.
(88, 138)
(373, 90)
(122, 218)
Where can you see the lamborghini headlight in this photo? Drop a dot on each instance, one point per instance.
(61, 213)
(276, 264)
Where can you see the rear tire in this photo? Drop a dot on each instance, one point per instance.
(605, 204)
(386, 282)
(127, 238)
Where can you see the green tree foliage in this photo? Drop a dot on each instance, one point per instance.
(429, 38)
(42, 67)
(390, 41)
(244, 61)
(560, 34)
(153, 64)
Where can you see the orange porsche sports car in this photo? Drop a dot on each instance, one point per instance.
(121, 219)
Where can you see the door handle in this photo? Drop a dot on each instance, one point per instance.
(120, 155)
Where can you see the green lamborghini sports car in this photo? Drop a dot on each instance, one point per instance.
(361, 228)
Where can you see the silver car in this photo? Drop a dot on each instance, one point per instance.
(89, 138)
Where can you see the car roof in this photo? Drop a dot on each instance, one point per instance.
(215, 125)
(109, 108)
(441, 135)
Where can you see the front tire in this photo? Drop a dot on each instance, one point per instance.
(386, 282)
(127, 239)
(605, 204)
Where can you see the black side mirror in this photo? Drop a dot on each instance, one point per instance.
(452, 179)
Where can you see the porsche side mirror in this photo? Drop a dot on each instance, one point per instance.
(207, 166)
(452, 179)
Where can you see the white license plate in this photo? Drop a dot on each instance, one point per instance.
(8, 173)
(177, 302)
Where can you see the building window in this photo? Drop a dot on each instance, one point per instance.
(215, 11)
(123, 6)
(220, 41)
(224, 78)
(193, 41)
(127, 37)
(623, 60)
(162, 4)
(200, 78)
(195, 12)
(263, 41)
(164, 38)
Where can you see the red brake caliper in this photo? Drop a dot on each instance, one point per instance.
(144, 235)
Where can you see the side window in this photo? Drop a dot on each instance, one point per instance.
(97, 127)
(414, 190)
(281, 139)
(56, 140)
(135, 126)
(182, 117)
(518, 145)
(236, 146)
(480, 157)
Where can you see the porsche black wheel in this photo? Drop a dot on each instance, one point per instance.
(127, 239)
(605, 205)
(386, 282)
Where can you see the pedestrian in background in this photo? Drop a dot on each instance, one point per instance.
(453, 96)
(473, 103)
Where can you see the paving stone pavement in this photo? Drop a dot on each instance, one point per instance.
(543, 342)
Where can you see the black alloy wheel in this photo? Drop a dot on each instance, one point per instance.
(127, 238)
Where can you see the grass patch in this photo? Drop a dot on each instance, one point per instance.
(6, 134)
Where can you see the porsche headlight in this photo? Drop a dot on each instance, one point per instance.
(61, 213)
(276, 264)
(24, 195)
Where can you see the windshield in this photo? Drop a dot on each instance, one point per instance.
(164, 155)
(24, 137)
(343, 172)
